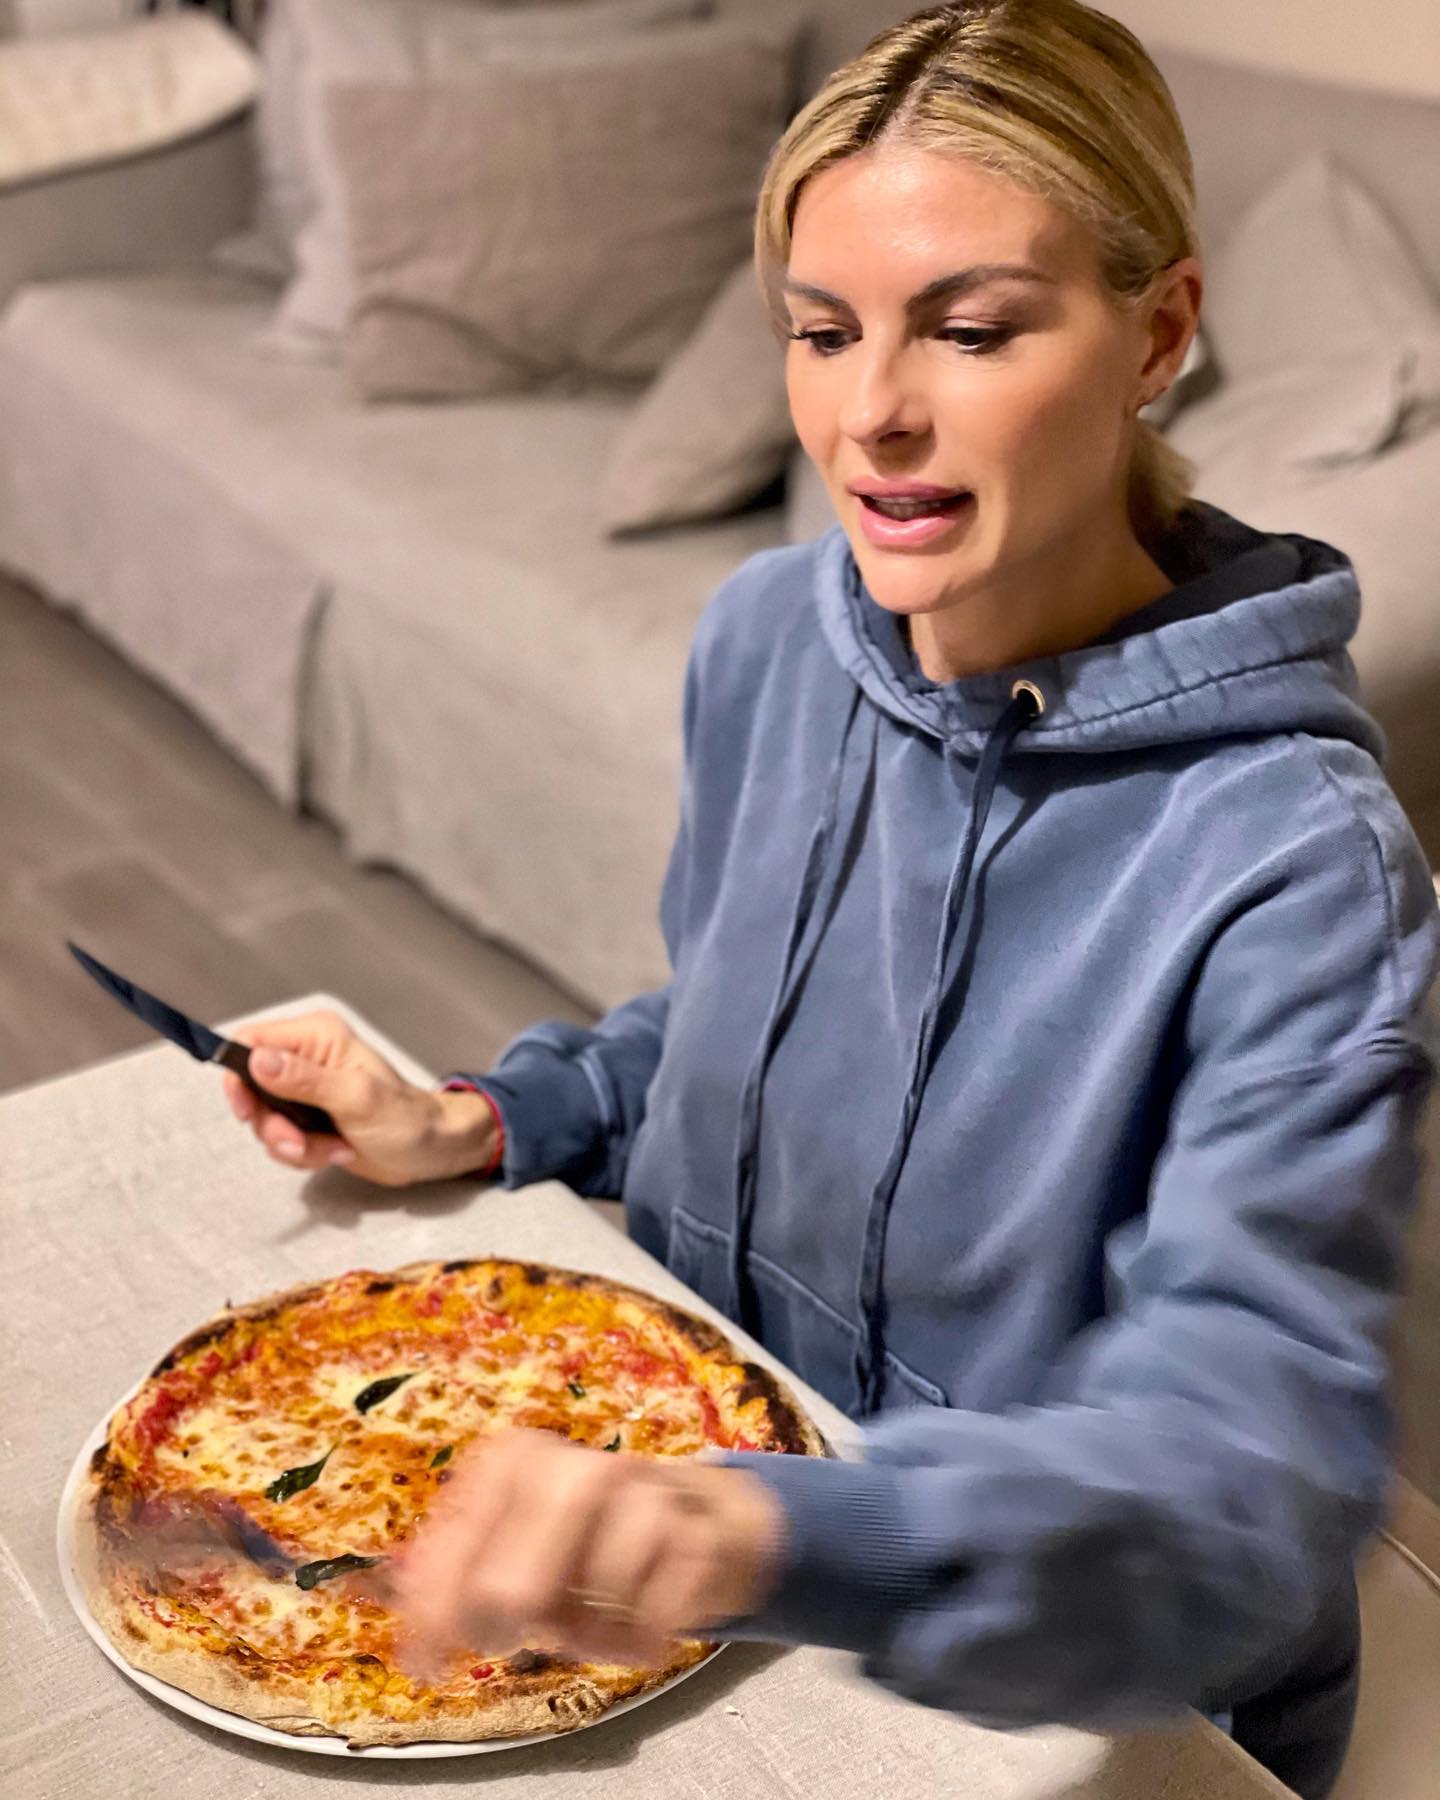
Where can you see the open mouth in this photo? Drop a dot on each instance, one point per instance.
(916, 509)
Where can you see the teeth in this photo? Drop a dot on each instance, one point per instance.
(913, 509)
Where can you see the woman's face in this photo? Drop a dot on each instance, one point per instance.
(1021, 389)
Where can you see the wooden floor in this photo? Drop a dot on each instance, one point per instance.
(124, 826)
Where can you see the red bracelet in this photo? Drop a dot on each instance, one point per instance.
(458, 1086)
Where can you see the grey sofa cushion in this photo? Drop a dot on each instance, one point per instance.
(714, 428)
(1315, 280)
(518, 230)
(314, 44)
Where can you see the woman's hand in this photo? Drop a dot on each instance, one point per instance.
(390, 1131)
(529, 1522)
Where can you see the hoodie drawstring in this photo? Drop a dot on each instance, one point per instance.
(1026, 704)
(748, 1134)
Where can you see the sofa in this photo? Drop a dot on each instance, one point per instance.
(380, 610)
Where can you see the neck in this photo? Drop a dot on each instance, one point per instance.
(1039, 612)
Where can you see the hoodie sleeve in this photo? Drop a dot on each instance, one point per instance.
(1173, 1509)
(571, 1099)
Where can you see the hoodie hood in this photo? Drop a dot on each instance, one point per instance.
(1251, 639)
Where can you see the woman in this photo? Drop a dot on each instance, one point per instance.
(1040, 1069)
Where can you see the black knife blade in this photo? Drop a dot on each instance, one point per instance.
(198, 1040)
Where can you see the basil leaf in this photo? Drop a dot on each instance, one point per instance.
(309, 1573)
(378, 1391)
(295, 1481)
(614, 1443)
(576, 1390)
(441, 1457)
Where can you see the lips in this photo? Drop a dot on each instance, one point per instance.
(903, 490)
(925, 526)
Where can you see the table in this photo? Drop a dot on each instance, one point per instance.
(132, 1207)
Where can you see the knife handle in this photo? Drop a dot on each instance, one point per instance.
(236, 1058)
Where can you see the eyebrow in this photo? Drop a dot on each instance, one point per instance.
(960, 281)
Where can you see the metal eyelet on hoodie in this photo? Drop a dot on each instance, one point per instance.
(1029, 687)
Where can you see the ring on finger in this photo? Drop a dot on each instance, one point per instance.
(592, 1600)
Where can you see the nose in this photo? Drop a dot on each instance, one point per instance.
(884, 396)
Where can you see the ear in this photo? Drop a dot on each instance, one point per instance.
(1172, 319)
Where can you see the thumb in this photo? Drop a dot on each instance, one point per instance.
(293, 1077)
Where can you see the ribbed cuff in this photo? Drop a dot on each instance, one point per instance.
(461, 1084)
(849, 1570)
(551, 1120)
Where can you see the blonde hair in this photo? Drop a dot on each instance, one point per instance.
(1054, 96)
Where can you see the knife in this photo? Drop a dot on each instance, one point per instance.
(175, 1526)
(202, 1043)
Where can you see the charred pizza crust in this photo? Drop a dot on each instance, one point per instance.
(194, 1632)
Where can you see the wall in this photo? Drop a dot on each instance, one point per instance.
(1386, 43)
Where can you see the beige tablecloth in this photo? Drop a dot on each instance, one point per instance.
(132, 1206)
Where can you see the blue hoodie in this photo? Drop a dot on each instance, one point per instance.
(1041, 1086)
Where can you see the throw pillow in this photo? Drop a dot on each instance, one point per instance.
(555, 220)
(283, 197)
(82, 98)
(1297, 418)
(713, 430)
(1315, 276)
(332, 41)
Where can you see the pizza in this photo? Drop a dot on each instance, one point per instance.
(280, 1451)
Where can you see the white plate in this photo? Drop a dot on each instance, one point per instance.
(250, 1728)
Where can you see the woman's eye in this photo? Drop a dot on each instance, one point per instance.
(818, 340)
(978, 341)
(987, 340)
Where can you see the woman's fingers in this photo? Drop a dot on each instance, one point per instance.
(385, 1126)
(317, 1150)
(629, 1561)
(299, 1039)
(318, 1036)
(295, 1148)
(677, 1593)
(431, 1577)
(491, 1564)
(243, 1102)
(558, 1493)
(532, 1528)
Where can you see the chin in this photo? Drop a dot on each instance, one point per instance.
(910, 582)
